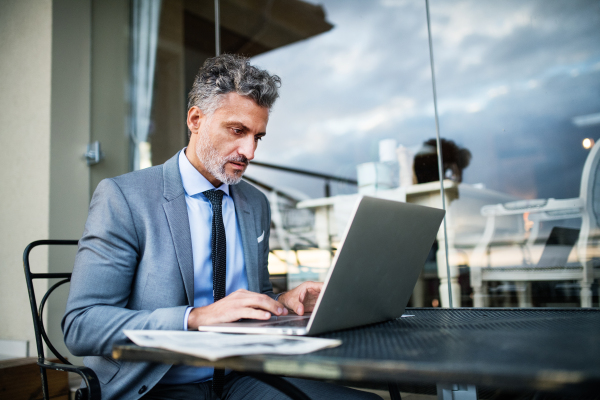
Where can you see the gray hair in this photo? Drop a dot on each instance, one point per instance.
(232, 73)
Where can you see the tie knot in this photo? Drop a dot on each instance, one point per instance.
(215, 197)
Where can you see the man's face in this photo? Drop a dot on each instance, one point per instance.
(225, 142)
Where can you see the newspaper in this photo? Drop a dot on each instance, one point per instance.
(213, 346)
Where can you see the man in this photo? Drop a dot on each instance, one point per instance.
(185, 244)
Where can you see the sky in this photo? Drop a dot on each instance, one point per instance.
(511, 76)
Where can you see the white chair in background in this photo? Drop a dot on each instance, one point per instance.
(586, 207)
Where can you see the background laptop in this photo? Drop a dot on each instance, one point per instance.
(373, 273)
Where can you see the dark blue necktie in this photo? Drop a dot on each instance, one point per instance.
(219, 264)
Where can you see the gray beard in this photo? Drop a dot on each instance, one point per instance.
(214, 163)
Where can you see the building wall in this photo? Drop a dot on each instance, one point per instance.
(45, 124)
(109, 96)
(63, 83)
(69, 136)
(90, 41)
(25, 82)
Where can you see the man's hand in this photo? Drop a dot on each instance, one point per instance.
(239, 304)
(302, 298)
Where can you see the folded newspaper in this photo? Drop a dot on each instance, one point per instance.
(213, 346)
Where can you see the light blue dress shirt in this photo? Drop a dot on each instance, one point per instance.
(200, 217)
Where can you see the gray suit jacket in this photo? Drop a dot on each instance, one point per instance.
(134, 269)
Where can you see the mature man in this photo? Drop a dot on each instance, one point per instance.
(185, 244)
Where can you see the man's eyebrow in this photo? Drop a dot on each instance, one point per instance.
(242, 126)
(236, 123)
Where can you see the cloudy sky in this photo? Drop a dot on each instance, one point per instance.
(511, 76)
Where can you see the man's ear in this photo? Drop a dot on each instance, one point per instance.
(195, 117)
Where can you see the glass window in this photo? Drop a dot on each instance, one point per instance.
(519, 118)
(518, 86)
(356, 103)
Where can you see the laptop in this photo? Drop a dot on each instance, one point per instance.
(558, 246)
(372, 276)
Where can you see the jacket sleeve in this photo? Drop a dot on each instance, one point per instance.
(105, 268)
(265, 285)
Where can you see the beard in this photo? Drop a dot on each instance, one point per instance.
(215, 163)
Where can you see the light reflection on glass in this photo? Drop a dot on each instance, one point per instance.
(588, 143)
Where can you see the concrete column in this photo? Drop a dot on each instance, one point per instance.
(25, 90)
(69, 133)
(46, 81)
(109, 87)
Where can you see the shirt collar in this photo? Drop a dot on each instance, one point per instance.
(193, 181)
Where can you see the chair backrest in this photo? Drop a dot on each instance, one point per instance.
(590, 194)
(37, 311)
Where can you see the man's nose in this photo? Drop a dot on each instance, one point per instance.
(247, 147)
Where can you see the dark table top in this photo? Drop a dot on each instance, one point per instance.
(538, 349)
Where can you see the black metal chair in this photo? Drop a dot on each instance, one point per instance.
(92, 390)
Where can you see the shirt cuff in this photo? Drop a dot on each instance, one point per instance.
(185, 318)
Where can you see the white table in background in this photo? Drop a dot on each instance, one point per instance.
(465, 224)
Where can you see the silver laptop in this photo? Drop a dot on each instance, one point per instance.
(373, 273)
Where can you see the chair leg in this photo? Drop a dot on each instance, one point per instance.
(524, 294)
(485, 293)
(477, 285)
(586, 294)
(394, 391)
(45, 392)
(506, 294)
(477, 297)
(586, 284)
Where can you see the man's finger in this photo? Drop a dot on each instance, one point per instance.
(252, 313)
(314, 285)
(293, 303)
(263, 302)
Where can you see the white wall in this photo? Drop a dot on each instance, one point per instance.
(56, 92)
(45, 76)
(25, 82)
(69, 136)
(110, 73)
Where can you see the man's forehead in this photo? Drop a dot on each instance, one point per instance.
(234, 100)
(244, 110)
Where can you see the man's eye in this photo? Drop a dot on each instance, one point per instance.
(257, 138)
(237, 131)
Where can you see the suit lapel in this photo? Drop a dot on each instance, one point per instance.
(177, 217)
(249, 241)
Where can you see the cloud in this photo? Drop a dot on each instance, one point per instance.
(394, 111)
(505, 71)
(455, 21)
